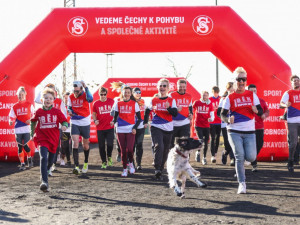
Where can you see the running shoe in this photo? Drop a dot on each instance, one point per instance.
(204, 161)
(50, 173)
(232, 162)
(131, 168)
(157, 174)
(110, 162)
(22, 167)
(242, 188)
(62, 162)
(53, 168)
(103, 165)
(139, 167)
(118, 157)
(125, 173)
(85, 168)
(58, 158)
(76, 170)
(44, 187)
(213, 159)
(246, 163)
(254, 168)
(224, 158)
(69, 163)
(197, 156)
(291, 166)
(30, 162)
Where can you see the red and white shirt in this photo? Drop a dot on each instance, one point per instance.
(20, 113)
(162, 119)
(240, 106)
(259, 123)
(47, 128)
(203, 112)
(185, 101)
(127, 113)
(293, 112)
(102, 110)
(141, 104)
(81, 108)
(215, 104)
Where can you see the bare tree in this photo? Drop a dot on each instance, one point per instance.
(172, 64)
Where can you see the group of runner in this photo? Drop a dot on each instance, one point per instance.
(171, 115)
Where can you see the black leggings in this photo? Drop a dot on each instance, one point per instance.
(203, 133)
(259, 142)
(138, 145)
(66, 143)
(215, 132)
(108, 136)
(228, 149)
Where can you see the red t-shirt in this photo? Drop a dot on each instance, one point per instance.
(102, 110)
(47, 128)
(259, 123)
(202, 113)
(215, 105)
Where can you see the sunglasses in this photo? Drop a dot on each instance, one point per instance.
(75, 85)
(102, 94)
(244, 79)
(163, 85)
(138, 92)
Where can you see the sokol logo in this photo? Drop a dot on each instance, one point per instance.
(203, 25)
(77, 26)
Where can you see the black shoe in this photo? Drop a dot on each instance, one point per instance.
(254, 168)
(224, 158)
(30, 162)
(158, 174)
(290, 166)
(139, 167)
(22, 167)
(44, 187)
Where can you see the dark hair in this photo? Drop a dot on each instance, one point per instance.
(181, 81)
(229, 85)
(215, 89)
(225, 94)
(293, 77)
(131, 96)
(102, 89)
(251, 86)
(66, 93)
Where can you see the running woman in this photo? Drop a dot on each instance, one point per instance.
(204, 113)
(242, 104)
(21, 113)
(105, 132)
(125, 112)
(79, 110)
(140, 132)
(45, 132)
(215, 126)
(228, 149)
(164, 108)
(183, 119)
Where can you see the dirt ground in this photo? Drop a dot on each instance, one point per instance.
(104, 197)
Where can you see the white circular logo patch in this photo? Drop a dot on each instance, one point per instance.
(77, 26)
(203, 25)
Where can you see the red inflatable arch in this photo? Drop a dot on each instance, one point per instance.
(148, 87)
(218, 30)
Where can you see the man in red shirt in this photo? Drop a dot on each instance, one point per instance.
(259, 125)
(105, 132)
(215, 126)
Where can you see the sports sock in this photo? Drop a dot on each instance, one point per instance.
(86, 155)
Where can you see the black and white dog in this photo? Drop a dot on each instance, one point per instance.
(178, 165)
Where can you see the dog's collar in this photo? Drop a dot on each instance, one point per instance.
(180, 153)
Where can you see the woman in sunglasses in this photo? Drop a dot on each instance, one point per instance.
(125, 113)
(163, 108)
(243, 105)
(105, 132)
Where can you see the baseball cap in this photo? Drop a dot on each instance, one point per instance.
(77, 84)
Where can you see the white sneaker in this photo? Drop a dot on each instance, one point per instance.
(131, 168)
(50, 173)
(125, 173)
(246, 163)
(204, 162)
(62, 162)
(213, 159)
(242, 188)
(85, 168)
(53, 168)
(197, 156)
